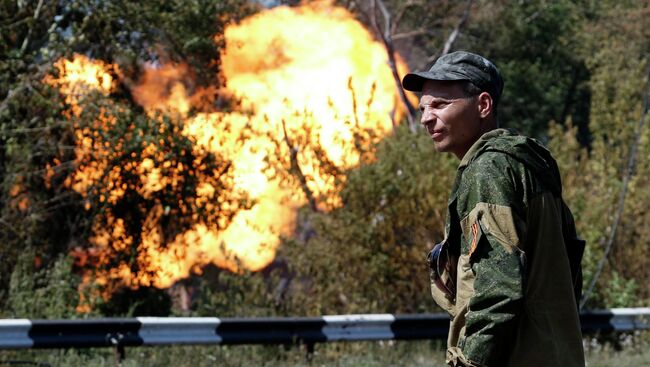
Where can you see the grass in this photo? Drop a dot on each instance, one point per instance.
(363, 354)
(625, 350)
(599, 353)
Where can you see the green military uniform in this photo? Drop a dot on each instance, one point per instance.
(518, 259)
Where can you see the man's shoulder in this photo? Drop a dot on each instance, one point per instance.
(490, 178)
(490, 164)
(513, 162)
(513, 144)
(500, 144)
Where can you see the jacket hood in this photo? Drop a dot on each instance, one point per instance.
(526, 150)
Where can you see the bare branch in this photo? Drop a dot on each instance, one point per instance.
(631, 164)
(16, 23)
(386, 15)
(390, 50)
(11, 228)
(373, 16)
(223, 170)
(27, 130)
(24, 84)
(355, 111)
(400, 14)
(414, 33)
(536, 14)
(10, 95)
(29, 33)
(454, 34)
(295, 169)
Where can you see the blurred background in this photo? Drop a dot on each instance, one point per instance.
(258, 158)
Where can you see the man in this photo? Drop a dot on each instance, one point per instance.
(508, 271)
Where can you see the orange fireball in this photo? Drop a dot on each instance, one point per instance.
(315, 90)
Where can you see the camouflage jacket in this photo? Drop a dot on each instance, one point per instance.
(518, 257)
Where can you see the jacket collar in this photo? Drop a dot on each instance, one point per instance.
(478, 145)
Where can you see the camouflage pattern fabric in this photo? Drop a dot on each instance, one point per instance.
(518, 259)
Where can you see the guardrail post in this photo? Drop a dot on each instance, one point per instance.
(120, 354)
(309, 348)
(118, 347)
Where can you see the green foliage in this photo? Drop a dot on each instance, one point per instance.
(593, 180)
(32, 215)
(38, 145)
(49, 292)
(143, 301)
(580, 66)
(620, 292)
(228, 294)
(169, 205)
(369, 254)
(534, 45)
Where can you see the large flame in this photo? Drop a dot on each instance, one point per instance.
(309, 79)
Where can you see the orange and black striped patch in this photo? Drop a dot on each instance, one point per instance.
(474, 243)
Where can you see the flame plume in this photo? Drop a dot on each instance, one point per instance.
(315, 92)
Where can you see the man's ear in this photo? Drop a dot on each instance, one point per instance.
(485, 105)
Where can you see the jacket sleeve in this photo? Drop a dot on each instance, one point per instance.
(492, 226)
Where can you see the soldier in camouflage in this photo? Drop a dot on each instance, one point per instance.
(508, 271)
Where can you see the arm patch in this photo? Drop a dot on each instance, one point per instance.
(476, 232)
(499, 221)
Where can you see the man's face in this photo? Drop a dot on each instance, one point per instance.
(451, 119)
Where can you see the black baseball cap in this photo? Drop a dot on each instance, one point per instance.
(460, 65)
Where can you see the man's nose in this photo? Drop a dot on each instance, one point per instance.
(427, 118)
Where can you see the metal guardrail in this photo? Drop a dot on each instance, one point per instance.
(615, 320)
(23, 333)
(128, 332)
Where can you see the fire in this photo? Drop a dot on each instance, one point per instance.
(312, 82)
(81, 76)
(18, 198)
(334, 76)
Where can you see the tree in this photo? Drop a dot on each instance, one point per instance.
(40, 128)
(368, 255)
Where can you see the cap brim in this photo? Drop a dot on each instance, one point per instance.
(414, 81)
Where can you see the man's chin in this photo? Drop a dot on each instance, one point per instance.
(441, 147)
